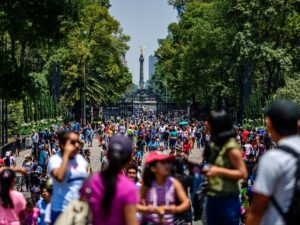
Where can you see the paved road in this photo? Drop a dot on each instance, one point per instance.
(95, 160)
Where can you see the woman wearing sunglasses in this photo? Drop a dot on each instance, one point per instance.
(68, 169)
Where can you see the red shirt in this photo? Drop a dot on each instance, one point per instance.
(186, 147)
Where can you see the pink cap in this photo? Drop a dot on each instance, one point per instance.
(158, 156)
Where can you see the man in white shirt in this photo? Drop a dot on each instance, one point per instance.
(276, 169)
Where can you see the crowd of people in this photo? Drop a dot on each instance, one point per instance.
(149, 174)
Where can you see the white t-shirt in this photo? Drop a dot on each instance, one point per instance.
(249, 149)
(276, 177)
(67, 190)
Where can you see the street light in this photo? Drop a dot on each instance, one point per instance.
(84, 84)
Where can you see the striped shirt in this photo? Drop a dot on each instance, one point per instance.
(160, 196)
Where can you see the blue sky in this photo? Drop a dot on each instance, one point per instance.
(145, 21)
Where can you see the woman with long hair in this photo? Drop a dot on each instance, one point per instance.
(111, 195)
(68, 169)
(12, 203)
(162, 196)
(226, 167)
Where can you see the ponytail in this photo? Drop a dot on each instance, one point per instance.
(7, 176)
(109, 176)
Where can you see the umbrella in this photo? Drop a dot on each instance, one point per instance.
(183, 123)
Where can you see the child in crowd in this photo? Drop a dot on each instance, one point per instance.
(31, 214)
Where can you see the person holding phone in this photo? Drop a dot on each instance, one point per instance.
(68, 169)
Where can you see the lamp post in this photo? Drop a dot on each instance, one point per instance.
(84, 84)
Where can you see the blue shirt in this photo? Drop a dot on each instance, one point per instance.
(42, 157)
(153, 146)
(76, 127)
(41, 204)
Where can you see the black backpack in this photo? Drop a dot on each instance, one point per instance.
(292, 216)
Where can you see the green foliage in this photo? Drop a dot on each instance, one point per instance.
(27, 29)
(231, 54)
(290, 91)
(93, 64)
(79, 35)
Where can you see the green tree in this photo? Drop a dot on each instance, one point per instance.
(93, 64)
(230, 53)
(26, 27)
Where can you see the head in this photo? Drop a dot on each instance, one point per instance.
(87, 152)
(72, 138)
(220, 126)
(46, 194)
(282, 119)
(132, 172)
(7, 182)
(119, 155)
(29, 204)
(157, 165)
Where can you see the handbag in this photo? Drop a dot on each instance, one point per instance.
(78, 212)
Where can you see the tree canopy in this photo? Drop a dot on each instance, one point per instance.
(223, 53)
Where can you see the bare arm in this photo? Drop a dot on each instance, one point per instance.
(239, 171)
(257, 209)
(60, 172)
(130, 215)
(182, 197)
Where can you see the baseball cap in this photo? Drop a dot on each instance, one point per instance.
(2, 162)
(158, 156)
(122, 144)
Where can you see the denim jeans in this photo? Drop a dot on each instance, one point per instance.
(223, 210)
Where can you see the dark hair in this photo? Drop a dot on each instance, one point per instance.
(148, 175)
(284, 116)
(64, 136)
(117, 160)
(221, 127)
(132, 166)
(178, 166)
(7, 176)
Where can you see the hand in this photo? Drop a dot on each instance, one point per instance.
(69, 149)
(171, 209)
(212, 171)
(151, 209)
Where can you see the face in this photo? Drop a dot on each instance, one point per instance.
(270, 128)
(207, 125)
(162, 168)
(74, 140)
(46, 195)
(132, 174)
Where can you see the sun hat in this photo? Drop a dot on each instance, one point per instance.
(156, 156)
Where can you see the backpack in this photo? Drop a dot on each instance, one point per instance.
(198, 201)
(292, 216)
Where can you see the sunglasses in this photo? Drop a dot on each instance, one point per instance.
(74, 142)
